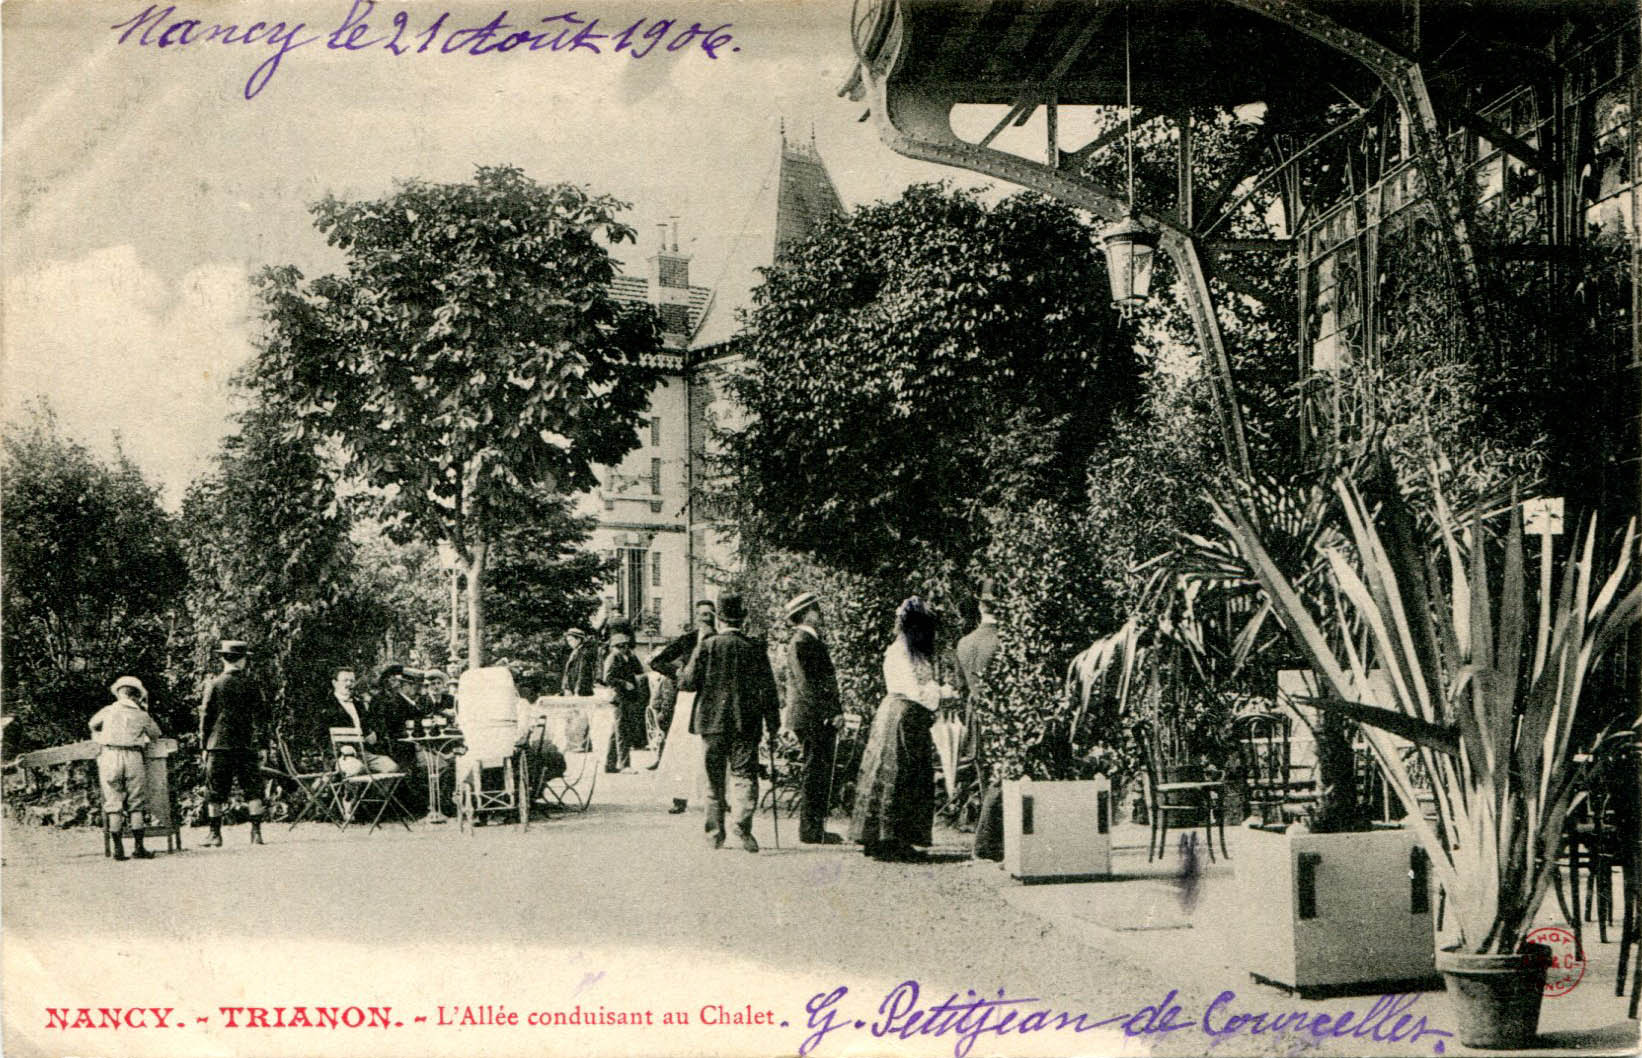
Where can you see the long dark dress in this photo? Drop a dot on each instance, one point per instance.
(895, 792)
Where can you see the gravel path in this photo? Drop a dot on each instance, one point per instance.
(618, 912)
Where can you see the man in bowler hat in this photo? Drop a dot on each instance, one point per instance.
(233, 719)
(735, 698)
(815, 713)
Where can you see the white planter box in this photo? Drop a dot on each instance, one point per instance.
(1057, 831)
(1333, 913)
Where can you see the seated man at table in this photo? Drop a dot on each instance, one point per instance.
(436, 697)
(370, 722)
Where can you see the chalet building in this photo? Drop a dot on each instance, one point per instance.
(670, 548)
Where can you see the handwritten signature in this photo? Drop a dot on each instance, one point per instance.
(568, 31)
(968, 1018)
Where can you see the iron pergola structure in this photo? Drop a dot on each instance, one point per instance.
(1410, 99)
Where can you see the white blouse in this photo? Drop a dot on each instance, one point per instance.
(910, 679)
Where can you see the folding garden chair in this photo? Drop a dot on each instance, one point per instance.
(367, 789)
(314, 794)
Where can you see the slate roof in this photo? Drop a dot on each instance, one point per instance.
(785, 208)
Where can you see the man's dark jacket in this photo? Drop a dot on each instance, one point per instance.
(672, 657)
(581, 671)
(812, 682)
(734, 686)
(233, 713)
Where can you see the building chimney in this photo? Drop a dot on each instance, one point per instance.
(670, 288)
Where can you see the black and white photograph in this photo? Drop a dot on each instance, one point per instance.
(835, 528)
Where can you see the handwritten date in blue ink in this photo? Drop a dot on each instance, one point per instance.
(361, 29)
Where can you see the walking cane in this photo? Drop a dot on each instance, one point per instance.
(775, 796)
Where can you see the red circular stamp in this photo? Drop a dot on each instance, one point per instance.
(1567, 964)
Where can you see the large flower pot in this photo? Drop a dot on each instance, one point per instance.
(1496, 997)
(1057, 831)
(1336, 914)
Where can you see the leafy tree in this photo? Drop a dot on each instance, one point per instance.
(270, 562)
(542, 579)
(469, 351)
(915, 362)
(1050, 605)
(91, 583)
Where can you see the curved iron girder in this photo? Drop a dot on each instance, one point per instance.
(1406, 83)
(914, 120)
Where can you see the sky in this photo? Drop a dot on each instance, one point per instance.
(141, 188)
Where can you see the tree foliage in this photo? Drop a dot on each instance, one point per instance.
(91, 582)
(470, 350)
(915, 362)
(270, 562)
(542, 578)
(1050, 605)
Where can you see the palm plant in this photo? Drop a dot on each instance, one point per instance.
(1226, 621)
(1490, 716)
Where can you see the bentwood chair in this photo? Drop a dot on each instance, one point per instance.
(583, 757)
(1269, 784)
(1178, 791)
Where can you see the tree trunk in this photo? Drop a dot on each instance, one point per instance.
(476, 604)
(454, 650)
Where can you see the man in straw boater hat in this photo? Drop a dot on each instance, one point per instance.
(735, 698)
(816, 712)
(233, 716)
(123, 729)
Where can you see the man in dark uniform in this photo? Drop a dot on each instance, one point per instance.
(669, 662)
(233, 720)
(814, 715)
(735, 697)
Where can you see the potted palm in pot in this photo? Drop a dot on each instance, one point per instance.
(1490, 715)
(1338, 902)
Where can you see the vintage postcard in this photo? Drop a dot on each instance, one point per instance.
(320, 314)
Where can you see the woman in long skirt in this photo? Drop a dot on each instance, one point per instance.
(895, 791)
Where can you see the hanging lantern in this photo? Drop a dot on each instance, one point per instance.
(1129, 247)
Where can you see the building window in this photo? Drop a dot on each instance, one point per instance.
(655, 572)
(655, 477)
(630, 593)
(609, 504)
(655, 431)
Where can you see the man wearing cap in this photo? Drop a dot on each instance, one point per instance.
(233, 716)
(581, 669)
(735, 699)
(624, 674)
(815, 713)
(123, 729)
(436, 696)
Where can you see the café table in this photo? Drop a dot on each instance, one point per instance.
(435, 749)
